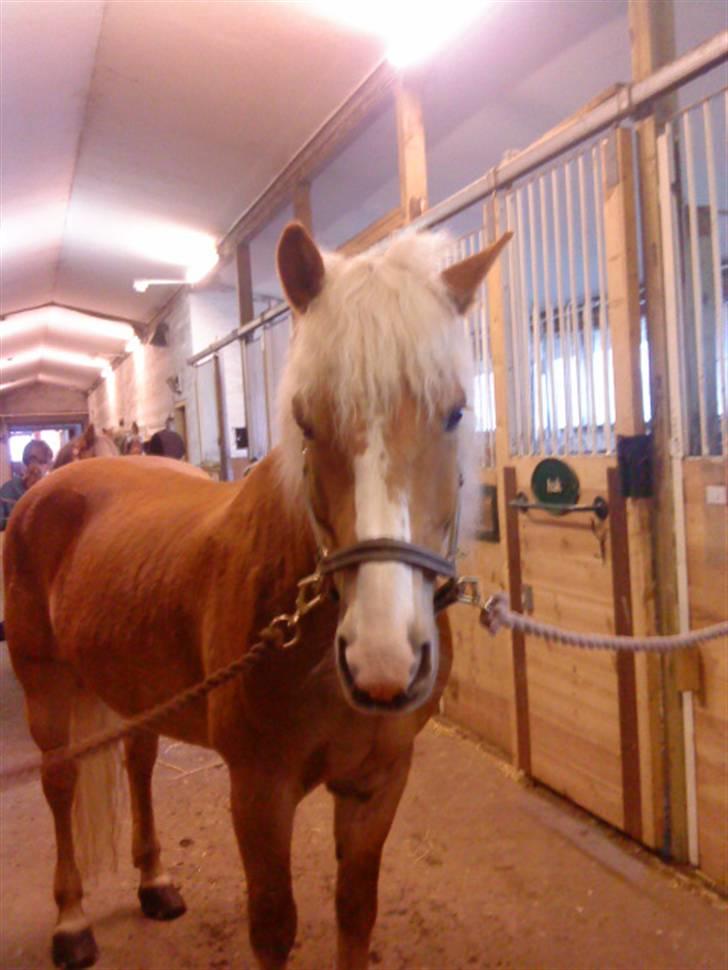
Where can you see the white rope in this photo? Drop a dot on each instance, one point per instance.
(497, 614)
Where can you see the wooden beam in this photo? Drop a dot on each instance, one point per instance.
(411, 152)
(652, 37)
(244, 273)
(373, 233)
(338, 131)
(620, 223)
(520, 675)
(302, 205)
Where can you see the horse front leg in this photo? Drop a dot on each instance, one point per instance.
(158, 897)
(362, 821)
(263, 806)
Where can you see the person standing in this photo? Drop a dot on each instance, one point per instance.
(37, 460)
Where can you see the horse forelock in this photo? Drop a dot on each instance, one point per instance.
(383, 326)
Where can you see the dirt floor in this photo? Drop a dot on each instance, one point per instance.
(480, 871)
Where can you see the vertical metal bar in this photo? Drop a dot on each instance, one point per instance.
(535, 327)
(514, 335)
(246, 395)
(563, 340)
(588, 309)
(695, 272)
(526, 369)
(546, 250)
(576, 339)
(715, 253)
(603, 323)
(266, 386)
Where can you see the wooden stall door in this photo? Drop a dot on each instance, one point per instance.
(576, 710)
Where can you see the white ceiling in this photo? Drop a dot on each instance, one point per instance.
(123, 123)
(126, 125)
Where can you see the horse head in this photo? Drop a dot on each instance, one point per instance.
(376, 418)
(89, 444)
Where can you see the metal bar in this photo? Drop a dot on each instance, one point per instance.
(603, 317)
(587, 310)
(696, 277)
(535, 327)
(515, 330)
(614, 108)
(563, 343)
(574, 310)
(525, 362)
(715, 253)
(549, 389)
(266, 388)
(599, 507)
(246, 394)
(622, 104)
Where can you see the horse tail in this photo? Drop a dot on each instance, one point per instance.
(99, 793)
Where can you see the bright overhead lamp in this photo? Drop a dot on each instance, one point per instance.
(107, 372)
(62, 319)
(412, 31)
(38, 354)
(132, 345)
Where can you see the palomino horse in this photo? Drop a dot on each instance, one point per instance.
(129, 581)
(86, 445)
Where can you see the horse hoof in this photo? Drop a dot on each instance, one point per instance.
(162, 902)
(75, 950)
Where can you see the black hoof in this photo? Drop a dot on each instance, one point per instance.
(72, 950)
(162, 902)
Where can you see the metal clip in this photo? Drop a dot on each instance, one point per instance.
(310, 594)
(468, 590)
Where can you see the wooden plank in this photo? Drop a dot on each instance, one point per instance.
(626, 679)
(373, 233)
(244, 275)
(624, 314)
(520, 679)
(707, 567)
(411, 152)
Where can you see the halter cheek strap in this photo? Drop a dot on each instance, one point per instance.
(383, 549)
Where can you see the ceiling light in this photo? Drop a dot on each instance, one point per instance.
(66, 321)
(107, 372)
(411, 31)
(55, 356)
(132, 344)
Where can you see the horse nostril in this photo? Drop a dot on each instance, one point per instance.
(342, 644)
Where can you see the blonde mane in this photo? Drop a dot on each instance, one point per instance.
(382, 324)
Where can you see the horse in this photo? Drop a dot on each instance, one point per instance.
(89, 444)
(130, 581)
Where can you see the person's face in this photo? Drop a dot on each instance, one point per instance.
(34, 472)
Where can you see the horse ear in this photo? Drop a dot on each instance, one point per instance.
(463, 279)
(300, 266)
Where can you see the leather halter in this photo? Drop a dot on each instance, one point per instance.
(383, 549)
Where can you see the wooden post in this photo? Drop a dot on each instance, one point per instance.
(302, 205)
(624, 317)
(652, 36)
(411, 153)
(221, 413)
(507, 488)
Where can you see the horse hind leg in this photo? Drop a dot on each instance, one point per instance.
(158, 897)
(50, 691)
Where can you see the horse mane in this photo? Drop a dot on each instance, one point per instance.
(383, 324)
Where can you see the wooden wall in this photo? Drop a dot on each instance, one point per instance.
(707, 553)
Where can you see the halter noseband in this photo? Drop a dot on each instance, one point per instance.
(383, 549)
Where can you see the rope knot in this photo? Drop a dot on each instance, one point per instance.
(492, 614)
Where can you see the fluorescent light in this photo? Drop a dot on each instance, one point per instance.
(141, 286)
(53, 355)
(65, 321)
(133, 344)
(202, 266)
(107, 372)
(411, 31)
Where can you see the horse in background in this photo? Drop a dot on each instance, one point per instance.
(130, 581)
(89, 444)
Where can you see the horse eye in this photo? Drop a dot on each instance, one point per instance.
(453, 419)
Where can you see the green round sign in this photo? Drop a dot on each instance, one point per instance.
(555, 484)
